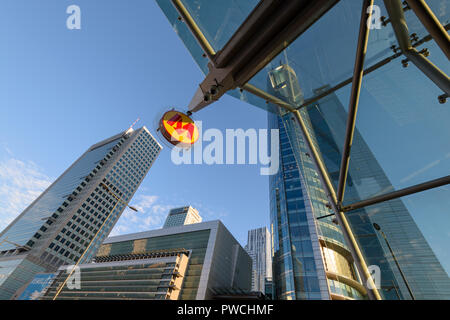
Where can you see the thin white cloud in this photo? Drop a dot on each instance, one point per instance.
(21, 182)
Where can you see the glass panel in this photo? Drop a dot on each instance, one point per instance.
(183, 32)
(33, 217)
(440, 9)
(218, 28)
(15, 274)
(324, 54)
(7, 267)
(196, 51)
(316, 63)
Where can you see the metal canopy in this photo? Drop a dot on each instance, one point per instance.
(269, 29)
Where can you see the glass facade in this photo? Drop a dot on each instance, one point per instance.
(297, 200)
(326, 123)
(400, 140)
(219, 28)
(258, 248)
(417, 260)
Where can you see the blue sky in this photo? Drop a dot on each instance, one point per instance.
(63, 90)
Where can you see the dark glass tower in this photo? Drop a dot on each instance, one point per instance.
(308, 250)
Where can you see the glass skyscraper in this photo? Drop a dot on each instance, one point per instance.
(302, 221)
(394, 144)
(217, 263)
(80, 207)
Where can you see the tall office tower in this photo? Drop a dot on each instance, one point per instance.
(182, 216)
(258, 248)
(80, 207)
(311, 259)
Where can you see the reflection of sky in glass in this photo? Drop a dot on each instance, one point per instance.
(35, 216)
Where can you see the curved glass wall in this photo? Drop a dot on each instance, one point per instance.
(295, 271)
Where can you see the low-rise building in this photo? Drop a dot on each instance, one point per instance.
(185, 262)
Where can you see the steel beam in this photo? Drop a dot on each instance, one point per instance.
(268, 97)
(325, 216)
(363, 37)
(395, 11)
(432, 24)
(399, 193)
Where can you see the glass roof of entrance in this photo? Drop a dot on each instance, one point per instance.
(401, 126)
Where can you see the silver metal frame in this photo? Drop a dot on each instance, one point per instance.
(358, 70)
(221, 74)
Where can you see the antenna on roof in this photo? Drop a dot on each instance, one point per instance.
(131, 127)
